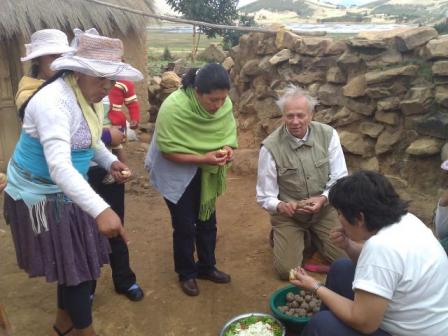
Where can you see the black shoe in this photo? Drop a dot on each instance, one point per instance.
(215, 276)
(190, 287)
(134, 293)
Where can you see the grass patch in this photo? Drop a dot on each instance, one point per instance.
(179, 45)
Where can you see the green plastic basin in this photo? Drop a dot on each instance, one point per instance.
(278, 298)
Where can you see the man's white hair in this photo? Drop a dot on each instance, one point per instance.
(293, 91)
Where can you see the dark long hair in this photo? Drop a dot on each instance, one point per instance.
(371, 194)
(210, 77)
(34, 70)
(57, 75)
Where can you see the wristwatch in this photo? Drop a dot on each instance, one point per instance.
(316, 287)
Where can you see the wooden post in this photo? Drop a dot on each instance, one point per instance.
(193, 52)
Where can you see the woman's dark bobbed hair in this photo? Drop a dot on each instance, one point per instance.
(210, 77)
(371, 194)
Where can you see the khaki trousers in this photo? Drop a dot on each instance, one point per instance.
(292, 234)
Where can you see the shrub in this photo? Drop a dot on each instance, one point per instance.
(166, 56)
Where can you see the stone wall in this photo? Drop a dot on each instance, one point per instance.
(386, 94)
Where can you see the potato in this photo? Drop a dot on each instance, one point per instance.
(292, 275)
(222, 152)
(2, 178)
(290, 297)
(125, 173)
(304, 203)
(300, 305)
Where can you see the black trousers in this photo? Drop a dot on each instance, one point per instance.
(122, 274)
(190, 232)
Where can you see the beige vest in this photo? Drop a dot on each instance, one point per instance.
(302, 169)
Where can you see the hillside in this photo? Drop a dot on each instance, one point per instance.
(409, 10)
(402, 11)
(297, 6)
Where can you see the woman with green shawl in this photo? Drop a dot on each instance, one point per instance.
(188, 161)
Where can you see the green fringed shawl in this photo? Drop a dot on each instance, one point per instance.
(184, 126)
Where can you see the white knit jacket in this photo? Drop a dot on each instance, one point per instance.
(53, 116)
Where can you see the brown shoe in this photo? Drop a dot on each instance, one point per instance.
(215, 276)
(190, 287)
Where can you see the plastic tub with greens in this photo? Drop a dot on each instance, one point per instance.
(253, 324)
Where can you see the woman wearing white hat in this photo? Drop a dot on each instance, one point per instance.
(46, 45)
(59, 224)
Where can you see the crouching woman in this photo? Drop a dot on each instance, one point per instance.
(395, 283)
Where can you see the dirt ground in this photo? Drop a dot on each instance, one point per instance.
(242, 250)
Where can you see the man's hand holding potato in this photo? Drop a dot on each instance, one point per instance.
(287, 208)
(311, 205)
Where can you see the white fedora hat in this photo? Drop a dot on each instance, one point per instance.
(97, 56)
(46, 42)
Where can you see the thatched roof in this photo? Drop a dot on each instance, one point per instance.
(27, 16)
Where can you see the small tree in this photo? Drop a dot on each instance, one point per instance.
(213, 11)
(232, 37)
(166, 56)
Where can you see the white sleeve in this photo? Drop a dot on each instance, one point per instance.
(103, 156)
(267, 186)
(336, 159)
(53, 128)
(377, 271)
(441, 222)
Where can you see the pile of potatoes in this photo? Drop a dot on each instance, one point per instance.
(304, 304)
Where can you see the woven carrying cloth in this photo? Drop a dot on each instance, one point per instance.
(184, 126)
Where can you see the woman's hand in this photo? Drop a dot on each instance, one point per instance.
(109, 224)
(215, 158)
(120, 172)
(339, 238)
(230, 152)
(300, 278)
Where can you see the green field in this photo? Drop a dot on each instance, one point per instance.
(179, 45)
